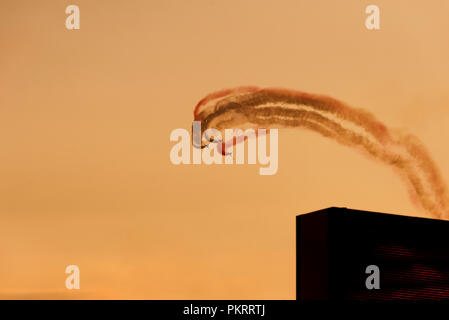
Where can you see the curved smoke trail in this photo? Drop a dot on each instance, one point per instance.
(251, 107)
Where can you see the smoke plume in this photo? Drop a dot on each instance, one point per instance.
(251, 107)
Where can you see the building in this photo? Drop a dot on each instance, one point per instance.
(335, 246)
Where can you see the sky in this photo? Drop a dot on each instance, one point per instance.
(86, 115)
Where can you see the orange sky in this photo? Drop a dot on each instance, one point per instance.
(85, 175)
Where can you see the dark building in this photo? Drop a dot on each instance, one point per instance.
(336, 245)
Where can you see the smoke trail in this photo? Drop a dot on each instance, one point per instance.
(251, 107)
